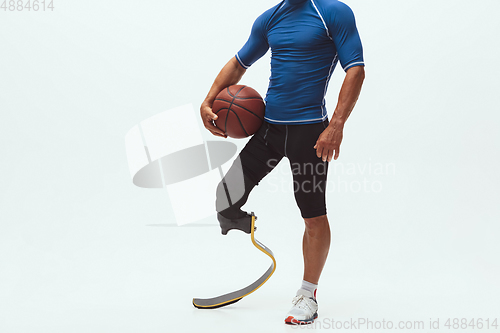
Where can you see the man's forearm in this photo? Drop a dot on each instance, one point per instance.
(349, 94)
(230, 74)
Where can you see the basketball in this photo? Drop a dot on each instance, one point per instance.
(240, 110)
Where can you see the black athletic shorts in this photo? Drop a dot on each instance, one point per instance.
(296, 142)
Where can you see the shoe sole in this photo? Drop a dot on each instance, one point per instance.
(290, 320)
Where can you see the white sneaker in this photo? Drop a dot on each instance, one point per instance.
(304, 310)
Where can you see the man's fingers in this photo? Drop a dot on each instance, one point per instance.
(337, 152)
(208, 114)
(212, 116)
(326, 154)
(322, 152)
(329, 148)
(214, 129)
(208, 117)
(218, 134)
(330, 155)
(319, 151)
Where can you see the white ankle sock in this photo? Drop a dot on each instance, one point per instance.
(309, 287)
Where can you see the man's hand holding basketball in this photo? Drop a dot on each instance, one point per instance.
(208, 118)
(230, 74)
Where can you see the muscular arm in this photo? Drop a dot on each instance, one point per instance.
(349, 94)
(329, 141)
(230, 74)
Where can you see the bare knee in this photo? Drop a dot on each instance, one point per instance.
(315, 223)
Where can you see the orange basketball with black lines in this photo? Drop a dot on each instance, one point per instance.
(240, 110)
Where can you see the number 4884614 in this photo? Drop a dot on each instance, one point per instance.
(29, 5)
(464, 323)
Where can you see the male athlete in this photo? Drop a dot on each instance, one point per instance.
(307, 39)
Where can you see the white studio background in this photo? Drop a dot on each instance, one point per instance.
(413, 199)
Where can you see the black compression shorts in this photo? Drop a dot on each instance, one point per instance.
(265, 150)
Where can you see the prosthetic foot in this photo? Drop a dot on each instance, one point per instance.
(235, 296)
(243, 223)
